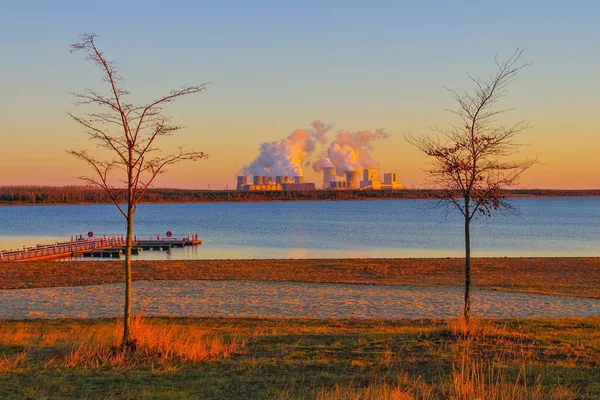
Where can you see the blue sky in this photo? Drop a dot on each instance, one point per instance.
(275, 66)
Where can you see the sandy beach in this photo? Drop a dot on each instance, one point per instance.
(333, 288)
(203, 298)
(327, 288)
(576, 276)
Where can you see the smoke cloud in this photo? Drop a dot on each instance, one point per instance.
(287, 156)
(350, 151)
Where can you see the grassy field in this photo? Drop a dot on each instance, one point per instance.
(231, 358)
(576, 276)
(302, 359)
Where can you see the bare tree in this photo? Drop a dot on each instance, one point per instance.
(129, 133)
(471, 160)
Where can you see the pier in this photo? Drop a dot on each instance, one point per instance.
(107, 246)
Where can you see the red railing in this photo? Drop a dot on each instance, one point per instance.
(77, 244)
(175, 237)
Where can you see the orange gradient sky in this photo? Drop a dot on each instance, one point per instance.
(279, 69)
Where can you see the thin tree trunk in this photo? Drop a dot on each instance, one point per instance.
(127, 331)
(127, 312)
(467, 309)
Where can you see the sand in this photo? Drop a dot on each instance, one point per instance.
(568, 276)
(194, 298)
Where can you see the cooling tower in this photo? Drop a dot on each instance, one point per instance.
(328, 176)
(241, 181)
(298, 179)
(352, 179)
(258, 180)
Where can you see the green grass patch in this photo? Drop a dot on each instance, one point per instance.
(301, 358)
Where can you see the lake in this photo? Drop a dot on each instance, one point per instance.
(567, 227)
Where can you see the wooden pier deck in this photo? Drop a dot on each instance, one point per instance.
(107, 246)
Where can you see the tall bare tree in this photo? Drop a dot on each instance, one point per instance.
(130, 134)
(471, 161)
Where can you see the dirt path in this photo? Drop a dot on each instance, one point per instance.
(283, 299)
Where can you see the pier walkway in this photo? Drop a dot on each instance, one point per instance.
(105, 246)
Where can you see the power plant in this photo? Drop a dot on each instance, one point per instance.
(280, 164)
(280, 182)
(370, 181)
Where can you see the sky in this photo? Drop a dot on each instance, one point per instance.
(276, 66)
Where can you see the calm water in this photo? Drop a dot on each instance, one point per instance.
(545, 227)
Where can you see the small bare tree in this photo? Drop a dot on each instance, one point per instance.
(129, 133)
(470, 162)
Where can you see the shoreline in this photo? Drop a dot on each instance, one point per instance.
(234, 196)
(279, 201)
(288, 201)
(563, 276)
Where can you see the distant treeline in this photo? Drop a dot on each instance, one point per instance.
(90, 195)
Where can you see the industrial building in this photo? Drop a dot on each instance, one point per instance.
(272, 183)
(370, 181)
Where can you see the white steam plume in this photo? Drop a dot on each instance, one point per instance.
(285, 157)
(350, 151)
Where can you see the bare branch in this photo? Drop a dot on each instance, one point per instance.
(163, 100)
(138, 128)
(156, 166)
(102, 169)
(466, 159)
(133, 144)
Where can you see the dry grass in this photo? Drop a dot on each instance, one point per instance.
(405, 388)
(12, 363)
(475, 379)
(97, 345)
(382, 391)
(570, 276)
(303, 359)
(185, 343)
(475, 373)
(478, 328)
(471, 380)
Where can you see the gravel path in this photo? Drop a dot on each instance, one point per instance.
(283, 299)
